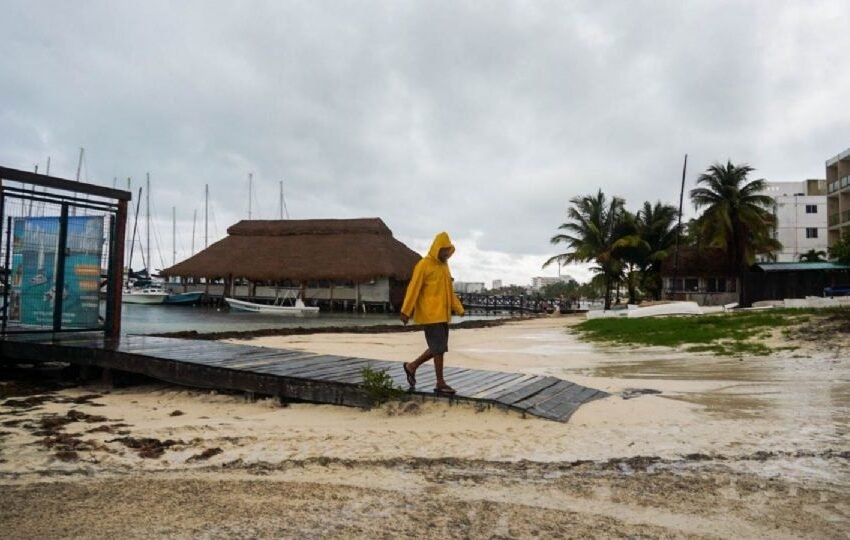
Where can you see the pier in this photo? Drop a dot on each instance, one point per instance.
(291, 375)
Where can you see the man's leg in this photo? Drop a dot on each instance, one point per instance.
(424, 357)
(438, 369)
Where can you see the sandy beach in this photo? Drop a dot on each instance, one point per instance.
(687, 445)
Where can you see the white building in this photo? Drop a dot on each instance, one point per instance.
(539, 282)
(468, 286)
(497, 284)
(800, 217)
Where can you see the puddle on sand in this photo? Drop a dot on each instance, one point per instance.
(728, 406)
(685, 368)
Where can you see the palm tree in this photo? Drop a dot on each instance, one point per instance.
(738, 217)
(591, 234)
(657, 228)
(813, 256)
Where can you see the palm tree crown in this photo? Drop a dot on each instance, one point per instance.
(737, 216)
(591, 234)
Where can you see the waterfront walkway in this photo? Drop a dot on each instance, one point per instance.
(289, 374)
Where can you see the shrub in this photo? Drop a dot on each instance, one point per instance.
(379, 386)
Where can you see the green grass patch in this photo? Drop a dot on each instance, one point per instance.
(724, 333)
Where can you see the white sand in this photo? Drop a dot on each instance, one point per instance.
(783, 417)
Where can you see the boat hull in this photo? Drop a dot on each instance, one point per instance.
(183, 299)
(241, 305)
(143, 298)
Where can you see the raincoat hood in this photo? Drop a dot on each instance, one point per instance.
(440, 241)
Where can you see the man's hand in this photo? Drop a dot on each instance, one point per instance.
(404, 318)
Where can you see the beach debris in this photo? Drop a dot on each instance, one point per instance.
(147, 447)
(28, 403)
(206, 454)
(630, 393)
(177, 413)
(110, 428)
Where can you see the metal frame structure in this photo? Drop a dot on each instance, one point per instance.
(69, 196)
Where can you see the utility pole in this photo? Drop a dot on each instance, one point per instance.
(679, 226)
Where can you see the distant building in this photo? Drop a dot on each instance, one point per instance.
(497, 284)
(838, 196)
(539, 282)
(469, 286)
(800, 212)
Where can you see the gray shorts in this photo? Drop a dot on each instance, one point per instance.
(437, 337)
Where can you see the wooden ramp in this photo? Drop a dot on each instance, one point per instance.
(290, 374)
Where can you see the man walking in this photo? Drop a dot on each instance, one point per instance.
(430, 300)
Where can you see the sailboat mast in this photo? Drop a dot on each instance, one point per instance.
(148, 219)
(194, 218)
(80, 163)
(283, 203)
(250, 189)
(173, 235)
(206, 216)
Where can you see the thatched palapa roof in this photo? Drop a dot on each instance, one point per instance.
(303, 250)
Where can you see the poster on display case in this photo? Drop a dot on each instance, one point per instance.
(33, 286)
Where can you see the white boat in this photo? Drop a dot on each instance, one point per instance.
(298, 309)
(146, 295)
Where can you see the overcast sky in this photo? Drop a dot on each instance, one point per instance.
(478, 118)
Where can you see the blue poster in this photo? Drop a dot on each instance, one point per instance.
(35, 245)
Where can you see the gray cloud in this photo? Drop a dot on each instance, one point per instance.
(479, 119)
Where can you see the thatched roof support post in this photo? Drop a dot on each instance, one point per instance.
(331, 296)
(228, 286)
(356, 296)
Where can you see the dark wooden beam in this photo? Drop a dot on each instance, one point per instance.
(53, 182)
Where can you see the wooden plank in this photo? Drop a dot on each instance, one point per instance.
(497, 380)
(292, 367)
(250, 362)
(546, 394)
(318, 364)
(335, 375)
(260, 352)
(474, 379)
(356, 378)
(507, 385)
(336, 365)
(567, 392)
(568, 404)
(534, 386)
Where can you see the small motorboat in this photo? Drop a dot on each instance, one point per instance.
(298, 309)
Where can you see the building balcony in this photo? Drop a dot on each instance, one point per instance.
(833, 219)
(845, 216)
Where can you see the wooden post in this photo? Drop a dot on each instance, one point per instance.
(114, 285)
(59, 261)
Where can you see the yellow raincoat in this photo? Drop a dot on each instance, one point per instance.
(430, 297)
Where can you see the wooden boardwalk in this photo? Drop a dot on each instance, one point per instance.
(290, 374)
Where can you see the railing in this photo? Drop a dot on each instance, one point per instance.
(845, 216)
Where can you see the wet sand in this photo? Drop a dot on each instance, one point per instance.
(730, 447)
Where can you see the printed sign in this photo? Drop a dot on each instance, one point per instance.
(35, 246)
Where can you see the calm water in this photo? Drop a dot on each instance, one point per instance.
(141, 319)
